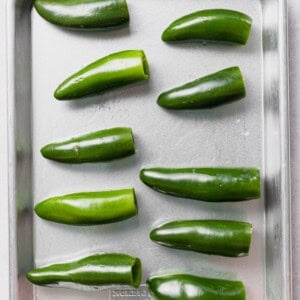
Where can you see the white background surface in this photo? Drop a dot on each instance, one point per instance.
(294, 38)
(3, 167)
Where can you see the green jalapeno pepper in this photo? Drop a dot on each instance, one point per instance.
(205, 184)
(115, 70)
(218, 237)
(212, 90)
(95, 270)
(87, 14)
(217, 25)
(89, 208)
(99, 146)
(190, 287)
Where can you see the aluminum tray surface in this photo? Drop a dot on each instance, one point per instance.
(237, 134)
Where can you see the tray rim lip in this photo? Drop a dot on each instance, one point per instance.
(10, 31)
(285, 144)
(8, 83)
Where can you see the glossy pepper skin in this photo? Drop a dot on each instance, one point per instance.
(89, 208)
(95, 270)
(100, 146)
(190, 287)
(205, 184)
(218, 237)
(214, 25)
(115, 70)
(207, 92)
(87, 14)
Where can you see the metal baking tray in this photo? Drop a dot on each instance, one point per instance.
(252, 132)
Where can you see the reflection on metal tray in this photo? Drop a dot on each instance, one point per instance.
(250, 132)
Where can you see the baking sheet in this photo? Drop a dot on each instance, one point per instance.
(231, 135)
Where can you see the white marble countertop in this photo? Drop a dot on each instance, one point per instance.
(294, 65)
(4, 247)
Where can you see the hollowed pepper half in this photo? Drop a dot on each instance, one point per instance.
(87, 14)
(100, 146)
(191, 287)
(216, 25)
(95, 270)
(205, 184)
(115, 70)
(215, 89)
(89, 208)
(218, 237)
